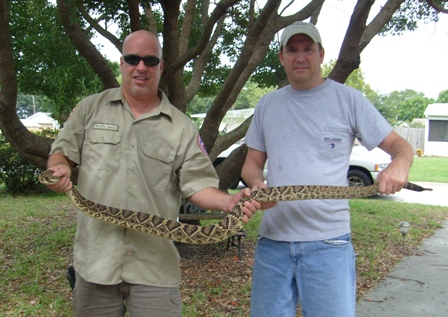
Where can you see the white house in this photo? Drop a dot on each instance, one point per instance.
(436, 130)
(232, 119)
(40, 121)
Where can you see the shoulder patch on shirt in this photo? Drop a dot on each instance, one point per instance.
(105, 126)
(202, 145)
(73, 110)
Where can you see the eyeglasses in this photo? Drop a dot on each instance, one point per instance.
(134, 60)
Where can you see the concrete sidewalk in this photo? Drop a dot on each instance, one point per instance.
(416, 287)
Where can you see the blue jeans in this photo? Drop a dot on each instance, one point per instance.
(319, 274)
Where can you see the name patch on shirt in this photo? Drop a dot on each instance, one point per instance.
(105, 126)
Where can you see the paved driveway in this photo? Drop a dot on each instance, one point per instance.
(438, 196)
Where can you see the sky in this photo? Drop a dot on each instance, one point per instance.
(416, 60)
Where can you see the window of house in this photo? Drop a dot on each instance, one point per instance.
(438, 130)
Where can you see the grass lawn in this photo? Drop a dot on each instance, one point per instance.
(36, 235)
(429, 169)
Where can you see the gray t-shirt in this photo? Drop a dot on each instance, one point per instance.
(308, 137)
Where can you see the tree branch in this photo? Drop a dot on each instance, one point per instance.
(83, 45)
(349, 55)
(134, 15)
(152, 23)
(172, 83)
(223, 142)
(378, 22)
(207, 30)
(200, 63)
(95, 25)
(436, 6)
(8, 78)
(187, 25)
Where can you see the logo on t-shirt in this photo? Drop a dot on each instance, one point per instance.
(332, 141)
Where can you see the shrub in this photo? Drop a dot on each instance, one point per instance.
(17, 172)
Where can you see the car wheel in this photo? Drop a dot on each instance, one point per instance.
(358, 178)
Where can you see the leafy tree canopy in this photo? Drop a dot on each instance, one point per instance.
(46, 61)
(210, 48)
(404, 106)
(443, 97)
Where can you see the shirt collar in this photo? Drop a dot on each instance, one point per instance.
(164, 108)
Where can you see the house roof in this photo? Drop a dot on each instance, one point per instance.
(437, 110)
(242, 113)
(40, 119)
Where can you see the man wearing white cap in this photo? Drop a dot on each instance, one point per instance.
(304, 253)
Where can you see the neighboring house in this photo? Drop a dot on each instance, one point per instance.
(232, 119)
(40, 121)
(436, 131)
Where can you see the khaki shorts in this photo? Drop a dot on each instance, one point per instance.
(114, 300)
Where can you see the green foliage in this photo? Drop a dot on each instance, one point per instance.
(17, 172)
(404, 106)
(199, 105)
(408, 15)
(235, 30)
(270, 73)
(27, 105)
(48, 65)
(117, 12)
(355, 80)
(248, 98)
(225, 52)
(443, 97)
(46, 62)
(413, 108)
(213, 79)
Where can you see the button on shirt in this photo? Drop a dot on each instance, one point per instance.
(146, 164)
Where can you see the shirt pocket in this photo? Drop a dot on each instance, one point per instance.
(334, 144)
(104, 150)
(157, 163)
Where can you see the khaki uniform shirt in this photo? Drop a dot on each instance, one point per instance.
(146, 164)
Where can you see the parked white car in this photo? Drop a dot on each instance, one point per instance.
(365, 165)
(363, 171)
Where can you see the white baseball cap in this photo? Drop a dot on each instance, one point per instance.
(300, 27)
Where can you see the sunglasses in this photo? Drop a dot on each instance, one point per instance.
(134, 60)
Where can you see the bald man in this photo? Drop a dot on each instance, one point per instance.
(136, 151)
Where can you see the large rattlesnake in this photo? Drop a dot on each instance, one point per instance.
(227, 227)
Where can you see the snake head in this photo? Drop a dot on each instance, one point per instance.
(47, 177)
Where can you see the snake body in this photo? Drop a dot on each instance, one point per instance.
(227, 227)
